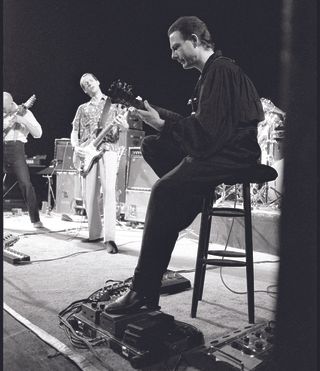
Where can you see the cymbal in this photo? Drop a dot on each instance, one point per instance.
(270, 107)
(278, 111)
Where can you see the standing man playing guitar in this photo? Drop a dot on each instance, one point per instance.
(98, 118)
(18, 122)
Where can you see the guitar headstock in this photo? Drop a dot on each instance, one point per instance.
(122, 93)
(29, 103)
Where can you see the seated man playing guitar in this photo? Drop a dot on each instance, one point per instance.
(192, 154)
(95, 136)
(18, 122)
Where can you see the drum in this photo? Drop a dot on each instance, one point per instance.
(271, 133)
(277, 140)
(277, 134)
(263, 138)
(271, 151)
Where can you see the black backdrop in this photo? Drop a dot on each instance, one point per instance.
(49, 44)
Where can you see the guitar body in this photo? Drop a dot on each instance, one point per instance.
(92, 153)
(84, 163)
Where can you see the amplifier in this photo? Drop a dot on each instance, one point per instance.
(128, 139)
(141, 178)
(68, 190)
(136, 205)
(63, 154)
(140, 174)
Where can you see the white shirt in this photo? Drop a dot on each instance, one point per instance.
(21, 132)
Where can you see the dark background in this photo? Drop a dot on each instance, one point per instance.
(49, 44)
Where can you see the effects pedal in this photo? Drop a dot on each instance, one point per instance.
(148, 331)
(93, 310)
(15, 257)
(245, 349)
(173, 282)
(117, 323)
(9, 239)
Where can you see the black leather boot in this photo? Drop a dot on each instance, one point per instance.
(111, 247)
(131, 302)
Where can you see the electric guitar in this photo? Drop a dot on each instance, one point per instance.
(122, 93)
(8, 120)
(91, 147)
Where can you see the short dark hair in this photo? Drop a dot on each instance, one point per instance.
(189, 25)
(85, 74)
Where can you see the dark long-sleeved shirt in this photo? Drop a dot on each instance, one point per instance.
(224, 126)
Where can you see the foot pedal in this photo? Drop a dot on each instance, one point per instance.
(15, 257)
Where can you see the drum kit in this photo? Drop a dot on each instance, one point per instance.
(271, 133)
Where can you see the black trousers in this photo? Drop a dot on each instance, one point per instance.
(14, 162)
(175, 201)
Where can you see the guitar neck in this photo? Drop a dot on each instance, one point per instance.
(163, 112)
(102, 134)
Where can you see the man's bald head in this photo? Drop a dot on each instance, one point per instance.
(7, 102)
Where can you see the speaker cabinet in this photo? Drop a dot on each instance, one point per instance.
(129, 138)
(63, 154)
(68, 189)
(141, 178)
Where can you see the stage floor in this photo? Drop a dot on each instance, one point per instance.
(62, 269)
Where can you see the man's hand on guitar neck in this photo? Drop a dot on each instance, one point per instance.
(122, 120)
(150, 116)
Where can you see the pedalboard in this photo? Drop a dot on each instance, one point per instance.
(143, 338)
(245, 349)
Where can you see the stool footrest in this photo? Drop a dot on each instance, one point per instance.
(225, 262)
(226, 211)
(233, 254)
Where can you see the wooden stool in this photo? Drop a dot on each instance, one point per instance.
(254, 174)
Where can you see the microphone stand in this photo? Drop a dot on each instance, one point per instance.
(50, 190)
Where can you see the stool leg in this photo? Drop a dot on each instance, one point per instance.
(249, 251)
(200, 264)
(206, 244)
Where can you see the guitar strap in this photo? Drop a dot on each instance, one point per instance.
(104, 114)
